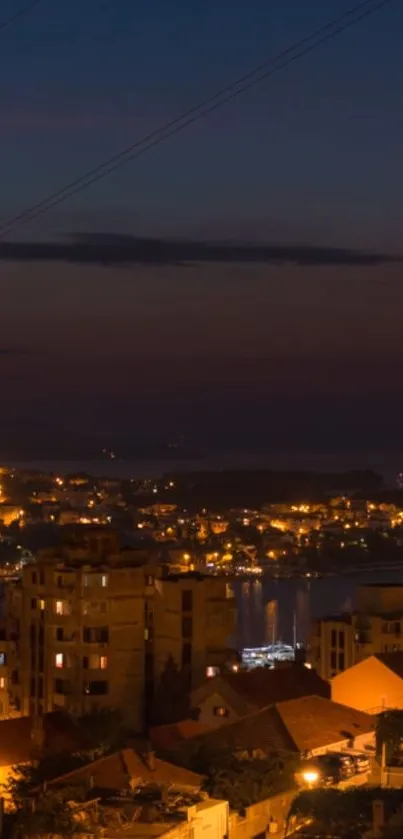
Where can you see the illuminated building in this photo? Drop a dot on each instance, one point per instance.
(100, 633)
(376, 626)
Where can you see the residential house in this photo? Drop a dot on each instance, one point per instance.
(372, 685)
(127, 769)
(308, 726)
(230, 696)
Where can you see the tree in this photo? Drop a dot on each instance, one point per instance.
(171, 701)
(389, 732)
(347, 813)
(28, 778)
(49, 814)
(245, 782)
(103, 729)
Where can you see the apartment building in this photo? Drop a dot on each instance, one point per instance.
(375, 626)
(87, 634)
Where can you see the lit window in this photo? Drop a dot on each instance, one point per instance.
(62, 607)
(219, 711)
(59, 660)
(42, 605)
(212, 671)
(2, 682)
(104, 580)
(103, 662)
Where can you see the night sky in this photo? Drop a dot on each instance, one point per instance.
(302, 349)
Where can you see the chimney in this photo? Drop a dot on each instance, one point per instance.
(150, 760)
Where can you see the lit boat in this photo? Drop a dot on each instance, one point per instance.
(266, 656)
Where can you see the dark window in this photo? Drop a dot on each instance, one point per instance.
(219, 711)
(334, 638)
(32, 632)
(41, 578)
(41, 661)
(33, 603)
(34, 578)
(33, 686)
(33, 658)
(41, 635)
(186, 655)
(86, 662)
(341, 640)
(187, 627)
(40, 687)
(333, 660)
(17, 703)
(96, 688)
(63, 686)
(95, 635)
(397, 628)
(60, 582)
(59, 633)
(341, 661)
(187, 600)
(15, 679)
(149, 666)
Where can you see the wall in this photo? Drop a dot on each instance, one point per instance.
(207, 716)
(368, 686)
(258, 816)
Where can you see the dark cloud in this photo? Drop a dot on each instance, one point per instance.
(111, 249)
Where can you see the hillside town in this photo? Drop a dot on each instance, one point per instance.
(321, 535)
(126, 706)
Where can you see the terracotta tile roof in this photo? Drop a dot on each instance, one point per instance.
(118, 770)
(166, 737)
(263, 731)
(263, 687)
(297, 725)
(314, 722)
(61, 734)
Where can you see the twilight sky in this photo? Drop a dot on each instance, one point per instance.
(302, 348)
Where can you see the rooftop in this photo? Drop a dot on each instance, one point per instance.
(297, 725)
(125, 768)
(262, 686)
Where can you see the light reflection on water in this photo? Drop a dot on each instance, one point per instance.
(307, 600)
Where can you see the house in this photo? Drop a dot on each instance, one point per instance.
(231, 696)
(310, 725)
(371, 685)
(126, 769)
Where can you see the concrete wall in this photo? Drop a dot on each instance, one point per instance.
(258, 818)
(368, 686)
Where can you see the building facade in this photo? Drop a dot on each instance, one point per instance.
(375, 626)
(99, 634)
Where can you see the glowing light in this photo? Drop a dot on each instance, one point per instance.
(310, 776)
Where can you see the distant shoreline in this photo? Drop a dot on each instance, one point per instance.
(385, 463)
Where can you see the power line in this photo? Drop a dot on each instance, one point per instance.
(24, 10)
(359, 12)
